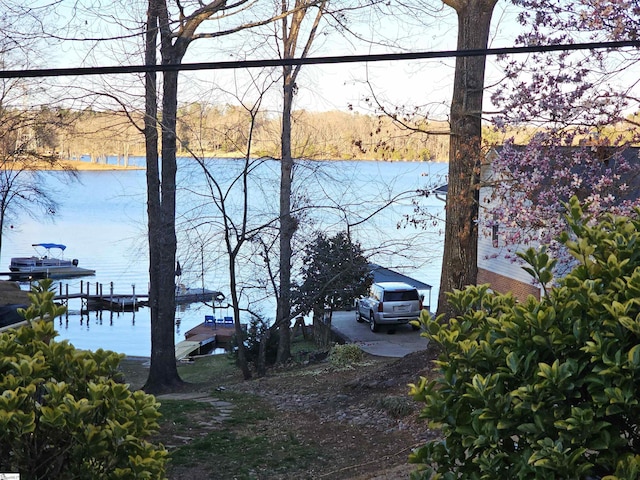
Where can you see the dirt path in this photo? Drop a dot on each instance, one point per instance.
(359, 421)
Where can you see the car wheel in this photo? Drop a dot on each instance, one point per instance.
(372, 323)
(358, 316)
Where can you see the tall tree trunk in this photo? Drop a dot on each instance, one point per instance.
(161, 208)
(287, 223)
(235, 302)
(163, 374)
(459, 264)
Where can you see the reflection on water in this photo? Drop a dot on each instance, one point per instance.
(102, 220)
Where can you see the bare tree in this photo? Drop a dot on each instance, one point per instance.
(24, 165)
(30, 126)
(175, 38)
(289, 38)
(233, 219)
(161, 180)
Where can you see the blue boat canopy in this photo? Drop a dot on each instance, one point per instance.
(49, 245)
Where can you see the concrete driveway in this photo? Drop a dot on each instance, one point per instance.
(396, 341)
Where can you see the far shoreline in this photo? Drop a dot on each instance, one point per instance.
(80, 165)
(84, 166)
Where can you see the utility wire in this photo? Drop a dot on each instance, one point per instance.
(75, 71)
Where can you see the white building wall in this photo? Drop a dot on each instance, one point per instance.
(496, 259)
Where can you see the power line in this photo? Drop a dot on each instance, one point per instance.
(75, 71)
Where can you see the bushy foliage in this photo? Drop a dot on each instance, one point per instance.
(543, 389)
(334, 272)
(64, 412)
(346, 355)
(257, 332)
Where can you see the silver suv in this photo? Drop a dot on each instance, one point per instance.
(389, 303)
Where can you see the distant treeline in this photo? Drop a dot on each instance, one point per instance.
(210, 131)
(207, 130)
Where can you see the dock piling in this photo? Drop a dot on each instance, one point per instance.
(112, 301)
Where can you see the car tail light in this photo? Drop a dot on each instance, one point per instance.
(380, 307)
(420, 305)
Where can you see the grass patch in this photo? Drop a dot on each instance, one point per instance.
(299, 344)
(180, 412)
(231, 454)
(211, 369)
(247, 409)
(396, 406)
(247, 445)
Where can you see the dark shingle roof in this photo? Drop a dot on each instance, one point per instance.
(382, 274)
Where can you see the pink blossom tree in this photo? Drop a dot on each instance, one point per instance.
(575, 91)
(579, 106)
(534, 182)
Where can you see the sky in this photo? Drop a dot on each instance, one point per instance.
(426, 84)
(320, 87)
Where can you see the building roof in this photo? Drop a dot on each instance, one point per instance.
(382, 274)
(441, 190)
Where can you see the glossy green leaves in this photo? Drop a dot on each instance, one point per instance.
(542, 389)
(64, 413)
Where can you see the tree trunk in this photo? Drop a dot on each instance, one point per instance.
(287, 224)
(163, 373)
(240, 335)
(459, 264)
(161, 208)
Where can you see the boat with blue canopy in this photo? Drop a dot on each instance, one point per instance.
(48, 263)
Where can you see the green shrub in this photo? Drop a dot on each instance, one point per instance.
(341, 356)
(258, 331)
(543, 389)
(64, 412)
(396, 406)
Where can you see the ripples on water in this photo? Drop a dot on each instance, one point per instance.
(102, 220)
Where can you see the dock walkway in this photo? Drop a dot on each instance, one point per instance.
(98, 300)
(205, 337)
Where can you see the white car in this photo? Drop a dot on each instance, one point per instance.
(389, 303)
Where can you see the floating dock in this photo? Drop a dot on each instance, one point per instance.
(116, 303)
(129, 302)
(203, 338)
(191, 295)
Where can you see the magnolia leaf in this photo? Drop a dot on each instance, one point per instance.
(634, 356)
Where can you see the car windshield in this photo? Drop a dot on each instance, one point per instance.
(401, 296)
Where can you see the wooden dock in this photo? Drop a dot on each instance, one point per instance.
(94, 298)
(205, 337)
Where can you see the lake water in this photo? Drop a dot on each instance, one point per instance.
(102, 220)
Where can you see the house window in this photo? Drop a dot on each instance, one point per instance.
(494, 235)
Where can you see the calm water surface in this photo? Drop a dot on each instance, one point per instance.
(102, 220)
